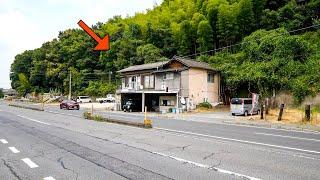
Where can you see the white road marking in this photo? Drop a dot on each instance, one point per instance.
(14, 150)
(30, 163)
(242, 141)
(292, 137)
(305, 131)
(33, 120)
(49, 178)
(208, 140)
(208, 167)
(4, 141)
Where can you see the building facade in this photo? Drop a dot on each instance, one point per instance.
(176, 84)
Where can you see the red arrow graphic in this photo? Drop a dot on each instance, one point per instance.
(103, 44)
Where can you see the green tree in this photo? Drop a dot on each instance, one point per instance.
(93, 89)
(186, 38)
(148, 54)
(1, 93)
(227, 24)
(258, 7)
(24, 85)
(245, 18)
(205, 36)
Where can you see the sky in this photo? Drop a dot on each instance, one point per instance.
(27, 24)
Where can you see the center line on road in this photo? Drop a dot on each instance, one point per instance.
(14, 150)
(241, 141)
(207, 166)
(33, 120)
(49, 178)
(4, 141)
(30, 163)
(292, 137)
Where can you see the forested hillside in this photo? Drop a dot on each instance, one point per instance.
(266, 45)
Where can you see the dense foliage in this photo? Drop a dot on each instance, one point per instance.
(265, 61)
(1, 93)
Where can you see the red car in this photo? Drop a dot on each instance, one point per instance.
(69, 104)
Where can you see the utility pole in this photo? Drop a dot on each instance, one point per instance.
(70, 85)
(110, 76)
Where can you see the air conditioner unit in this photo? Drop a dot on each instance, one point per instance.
(163, 87)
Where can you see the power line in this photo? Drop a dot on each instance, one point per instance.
(225, 47)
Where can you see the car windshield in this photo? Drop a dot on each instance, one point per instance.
(69, 101)
(236, 101)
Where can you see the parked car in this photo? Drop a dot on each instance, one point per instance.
(130, 106)
(69, 104)
(84, 99)
(108, 98)
(243, 106)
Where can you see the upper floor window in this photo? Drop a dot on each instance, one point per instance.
(148, 81)
(168, 76)
(210, 78)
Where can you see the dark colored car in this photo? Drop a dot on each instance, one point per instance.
(69, 104)
(130, 106)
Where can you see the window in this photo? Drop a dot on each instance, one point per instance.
(168, 76)
(210, 78)
(236, 101)
(247, 101)
(148, 81)
(167, 102)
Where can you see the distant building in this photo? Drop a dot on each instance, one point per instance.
(178, 83)
(9, 92)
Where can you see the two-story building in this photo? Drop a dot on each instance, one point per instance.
(178, 83)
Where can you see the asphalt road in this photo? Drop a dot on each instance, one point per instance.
(290, 140)
(68, 147)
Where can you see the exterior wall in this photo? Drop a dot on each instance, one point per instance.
(199, 88)
(172, 84)
(185, 83)
(173, 104)
(214, 90)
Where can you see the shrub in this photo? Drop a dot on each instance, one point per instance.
(98, 118)
(87, 115)
(205, 105)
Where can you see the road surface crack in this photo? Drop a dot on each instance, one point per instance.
(11, 169)
(64, 167)
(179, 147)
(213, 154)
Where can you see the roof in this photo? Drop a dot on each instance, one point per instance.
(193, 63)
(143, 67)
(187, 62)
(9, 91)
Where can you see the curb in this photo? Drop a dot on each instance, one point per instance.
(129, 123)
(26, 107)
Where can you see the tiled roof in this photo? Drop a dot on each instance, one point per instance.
(193, 63)
(187, 62)
(143, 67)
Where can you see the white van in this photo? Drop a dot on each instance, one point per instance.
(84, 99)
(243, 106)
